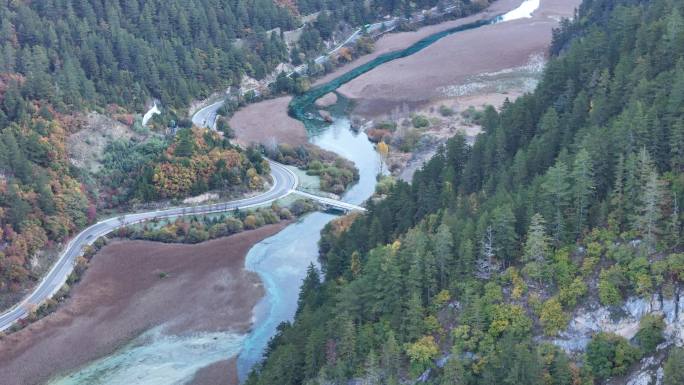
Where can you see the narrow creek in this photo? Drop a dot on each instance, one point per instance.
(281, 260)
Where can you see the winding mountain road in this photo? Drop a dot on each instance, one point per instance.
(284, 183)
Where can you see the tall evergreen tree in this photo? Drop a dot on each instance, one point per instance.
(505, 237)
(443, 245)
(557, 188)
(536, 242)
(649, 213)
(583, 186)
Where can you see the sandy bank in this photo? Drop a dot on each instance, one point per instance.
(454, 60)
(327, 100)
(220, 373)
(206, 289)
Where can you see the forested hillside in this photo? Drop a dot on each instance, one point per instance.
(570, 196)
(76, 53)
(87, 53)
(63, 57)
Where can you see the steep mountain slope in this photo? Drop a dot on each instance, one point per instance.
(473, 273)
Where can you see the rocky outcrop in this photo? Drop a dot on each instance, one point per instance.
(624, 321)
(649, 372)
(87, 145)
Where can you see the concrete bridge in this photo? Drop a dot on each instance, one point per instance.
(329, 202)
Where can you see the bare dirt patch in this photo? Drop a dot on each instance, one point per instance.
(205, 289)
(86, 146)
(268, 123)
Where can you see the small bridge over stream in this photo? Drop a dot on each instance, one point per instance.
(330, 203)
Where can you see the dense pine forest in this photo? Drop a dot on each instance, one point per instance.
(571, 195)
(78, 53)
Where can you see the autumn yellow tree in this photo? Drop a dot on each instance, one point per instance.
(552, 317)
(383, 149)
(421, 353)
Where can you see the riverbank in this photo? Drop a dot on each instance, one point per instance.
(282, 261)
(221, 373)
(399, 40)
(133, 287)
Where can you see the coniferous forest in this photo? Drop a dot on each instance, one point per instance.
(571, 194)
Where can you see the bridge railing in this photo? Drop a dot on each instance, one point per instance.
(330, 202)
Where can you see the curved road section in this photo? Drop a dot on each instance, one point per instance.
(284, 183)
(206, 117)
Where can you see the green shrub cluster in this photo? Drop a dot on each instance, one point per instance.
(336, 173)
(610, 355)
(198, 229)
